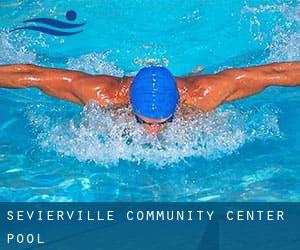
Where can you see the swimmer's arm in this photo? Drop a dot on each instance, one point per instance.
(255, 79)
(207, 92)
(54, 82)
(74, 86)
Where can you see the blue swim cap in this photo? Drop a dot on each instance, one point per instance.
(154, 93)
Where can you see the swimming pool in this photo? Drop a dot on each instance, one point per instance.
(51, 150)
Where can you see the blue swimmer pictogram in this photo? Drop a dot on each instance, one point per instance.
(58, 28)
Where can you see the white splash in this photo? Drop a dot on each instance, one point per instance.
(95, 63)
(12, 51)
(143, 62)
(285, 42)
(285, 45)
(106, 136)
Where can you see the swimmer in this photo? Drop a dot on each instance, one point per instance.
(154, 93)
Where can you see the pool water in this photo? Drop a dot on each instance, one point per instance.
(248, 150)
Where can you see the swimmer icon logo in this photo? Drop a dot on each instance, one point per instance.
(57, 28)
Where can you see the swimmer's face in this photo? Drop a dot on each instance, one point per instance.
(153, 126)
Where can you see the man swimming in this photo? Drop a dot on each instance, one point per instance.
(153, 93)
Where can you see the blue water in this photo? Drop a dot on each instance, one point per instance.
(52, 150)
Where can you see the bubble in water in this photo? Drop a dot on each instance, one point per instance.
(285, 36)
(285, 45)
(106, 136)
(143, 62)
(13, 52)
(95, 63)
(192, 17)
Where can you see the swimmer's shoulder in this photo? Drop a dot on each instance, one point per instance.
(191, 85)
(106, 90)
(205, 92)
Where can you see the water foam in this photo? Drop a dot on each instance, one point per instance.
(106, 136)
(12, 51)
(95, 63)
(285, 45)
(285, 37)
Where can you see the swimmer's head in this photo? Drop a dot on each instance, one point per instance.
(154, 95)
